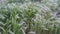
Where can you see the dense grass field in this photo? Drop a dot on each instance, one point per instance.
(29, 16)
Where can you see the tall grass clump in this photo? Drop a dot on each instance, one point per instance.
(29, 17)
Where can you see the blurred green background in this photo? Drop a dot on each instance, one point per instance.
(29, 16)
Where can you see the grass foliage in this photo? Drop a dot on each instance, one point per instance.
(16, 18)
